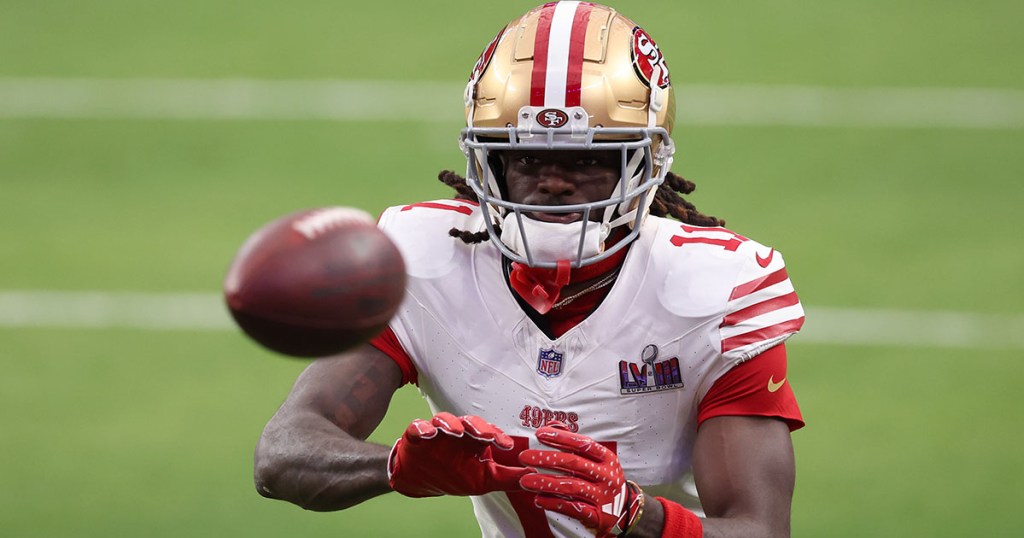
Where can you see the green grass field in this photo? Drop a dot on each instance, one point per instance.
(118, 432)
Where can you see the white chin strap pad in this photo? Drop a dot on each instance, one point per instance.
(552, 241)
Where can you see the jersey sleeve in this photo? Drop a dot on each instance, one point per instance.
(388, 343)
(757, 387)
(763, 309)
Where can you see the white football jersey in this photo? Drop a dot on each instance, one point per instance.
(689, 304)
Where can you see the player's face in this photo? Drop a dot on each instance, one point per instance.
(561, 178)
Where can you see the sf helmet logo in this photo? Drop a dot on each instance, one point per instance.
(552, 118)
(647, 57)
(485, 57)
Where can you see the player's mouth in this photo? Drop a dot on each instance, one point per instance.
(560, 218)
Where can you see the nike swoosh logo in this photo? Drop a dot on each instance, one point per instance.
(773, 386)
(763, 262)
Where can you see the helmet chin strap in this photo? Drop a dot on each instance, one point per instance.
(542, 242)
(635, 172)
(657, 98)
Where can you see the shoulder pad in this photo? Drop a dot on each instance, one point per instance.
(699, 266)
(712, 271)
(421, 233)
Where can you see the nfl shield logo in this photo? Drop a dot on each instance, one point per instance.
(549, 363)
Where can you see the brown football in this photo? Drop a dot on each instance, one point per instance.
(315, 282)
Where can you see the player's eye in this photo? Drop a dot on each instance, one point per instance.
(528, 160)
(587, 161)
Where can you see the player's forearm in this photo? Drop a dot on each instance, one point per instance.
(313, 464)
(652, 525)
(736, 527)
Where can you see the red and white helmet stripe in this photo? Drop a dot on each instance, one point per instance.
(558, 54)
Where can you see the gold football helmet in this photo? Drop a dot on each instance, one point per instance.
(570, 75)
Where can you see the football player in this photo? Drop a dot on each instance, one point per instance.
(596, 367)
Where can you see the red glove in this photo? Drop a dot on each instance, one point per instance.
(451, 455)
(593, 488)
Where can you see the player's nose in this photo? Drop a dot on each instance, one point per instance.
(555, 181)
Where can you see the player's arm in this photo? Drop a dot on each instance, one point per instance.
(743, 457)
(745, 471)
(313, 451)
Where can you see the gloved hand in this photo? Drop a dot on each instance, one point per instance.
(591, 487)
(451, 455)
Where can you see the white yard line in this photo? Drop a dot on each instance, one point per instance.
(113, 310)
(228, 99)
(206, 312)
(916, 328)
(419, 101)
(809, 106)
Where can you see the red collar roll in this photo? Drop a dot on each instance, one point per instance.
(541, 288)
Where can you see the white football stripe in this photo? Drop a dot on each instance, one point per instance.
(206, 312)
(750, 350)
(425, 101)
(557, 70)
(767, 319)
(770, 292)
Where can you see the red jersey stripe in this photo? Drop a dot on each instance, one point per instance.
(577, 41)
(759, 283)
(388, 343)
(698, 229)
(540, 54)
(759, 335)
(434, 205)
(763, 307)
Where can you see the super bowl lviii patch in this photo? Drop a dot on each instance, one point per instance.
(650, 374)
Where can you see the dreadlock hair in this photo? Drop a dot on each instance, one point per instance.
(668, 202)
(462, 192)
